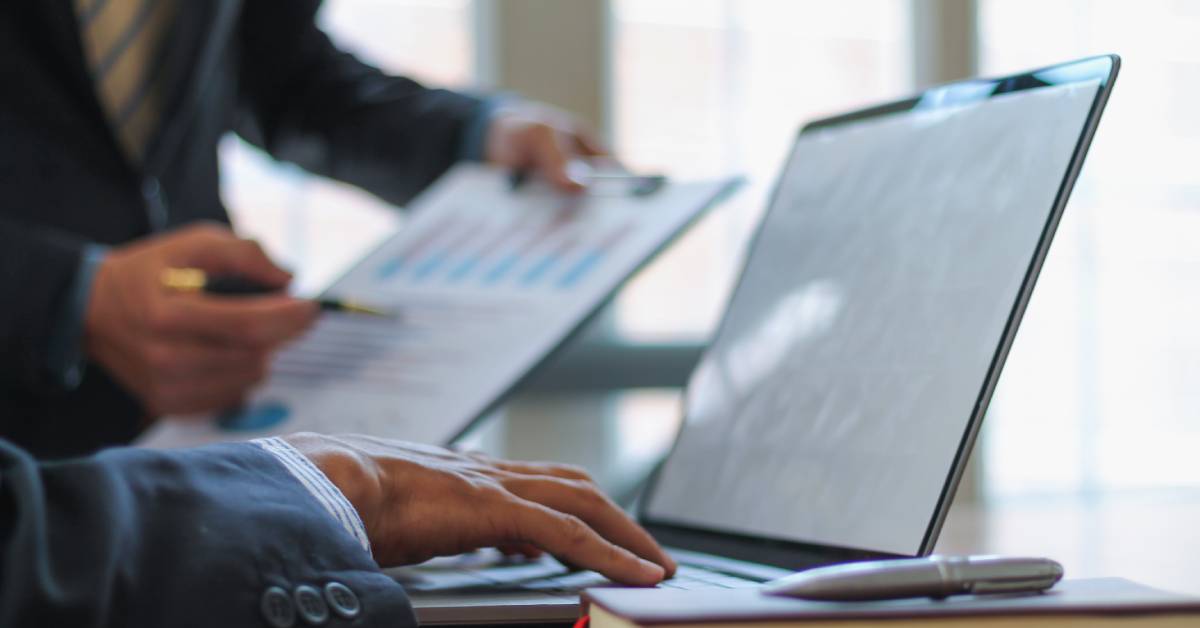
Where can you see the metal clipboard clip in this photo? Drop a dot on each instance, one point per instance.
(603, 182)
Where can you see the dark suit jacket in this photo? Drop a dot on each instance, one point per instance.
(260, 67)
(172, 538)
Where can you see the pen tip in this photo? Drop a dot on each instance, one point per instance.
(366, 309)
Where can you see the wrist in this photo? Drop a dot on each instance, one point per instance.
(66, 351)
(96, 308)
(97, 311)
(353, 473)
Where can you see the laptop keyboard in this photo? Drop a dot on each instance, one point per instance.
(547, 575)
(686, 577)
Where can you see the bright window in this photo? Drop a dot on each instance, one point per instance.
(712, 87)
(1101, 390)
(430, 40)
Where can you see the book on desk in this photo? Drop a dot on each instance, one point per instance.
(1085, 602)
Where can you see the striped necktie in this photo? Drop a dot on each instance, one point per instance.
(121, 39)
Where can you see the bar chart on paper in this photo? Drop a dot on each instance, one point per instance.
(549, 250)
(486, 282)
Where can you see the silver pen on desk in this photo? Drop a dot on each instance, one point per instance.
(935, 576)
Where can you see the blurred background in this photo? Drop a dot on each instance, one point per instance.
(1095, 418)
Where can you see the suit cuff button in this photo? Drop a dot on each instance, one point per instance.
(277, 609)
(310, 605)
(342, 600)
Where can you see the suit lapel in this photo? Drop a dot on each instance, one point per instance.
(199, 35)
(66, 50)
(197, 39)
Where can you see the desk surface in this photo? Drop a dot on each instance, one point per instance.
(1151, 537)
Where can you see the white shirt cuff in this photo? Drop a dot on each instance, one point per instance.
(318, 485)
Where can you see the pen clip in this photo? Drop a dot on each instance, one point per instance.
(1013, 585)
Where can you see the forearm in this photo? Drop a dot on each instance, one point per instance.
(134, 537)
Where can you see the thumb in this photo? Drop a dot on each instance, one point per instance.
(553, 162)
(220, 252)
(588, 144)
(246, 258)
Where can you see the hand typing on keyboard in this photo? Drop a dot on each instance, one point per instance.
(419, 501)
(487, 571)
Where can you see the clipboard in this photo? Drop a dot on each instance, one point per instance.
(490, 277)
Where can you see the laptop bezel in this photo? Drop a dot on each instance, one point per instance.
(798, 555)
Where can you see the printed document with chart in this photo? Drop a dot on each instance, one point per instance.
(486, 282)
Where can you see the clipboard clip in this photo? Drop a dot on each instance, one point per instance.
(602, 182)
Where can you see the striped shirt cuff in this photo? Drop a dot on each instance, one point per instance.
(318, 485)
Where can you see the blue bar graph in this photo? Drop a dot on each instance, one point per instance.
(430, 265)
(581, 269)
(556, 252)
(539, 269)
(501, 268)
(389, 268)
(392, 267)
(464, 269)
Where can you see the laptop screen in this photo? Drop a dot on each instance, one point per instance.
(832, 403)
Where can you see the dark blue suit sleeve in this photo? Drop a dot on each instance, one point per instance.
(179, 538)
(37, 267)
(306, 101)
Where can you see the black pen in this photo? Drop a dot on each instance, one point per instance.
(194, 280)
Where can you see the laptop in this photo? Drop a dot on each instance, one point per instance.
(832, 415)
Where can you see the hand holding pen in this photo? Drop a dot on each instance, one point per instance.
(188, 352)
(197, 280)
